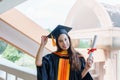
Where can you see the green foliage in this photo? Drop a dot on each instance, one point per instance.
(84, 44)
(11, 53)
(3, 46)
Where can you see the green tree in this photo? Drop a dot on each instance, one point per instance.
(3, 46)
(84, 43)
(11, 53)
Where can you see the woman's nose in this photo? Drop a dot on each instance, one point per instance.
(64, 42)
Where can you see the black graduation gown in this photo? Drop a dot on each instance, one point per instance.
(49, 69)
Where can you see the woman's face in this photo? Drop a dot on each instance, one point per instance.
(63, 41)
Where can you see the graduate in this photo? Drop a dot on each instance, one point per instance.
(63, 64)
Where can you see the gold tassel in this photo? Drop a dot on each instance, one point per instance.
(53, 41)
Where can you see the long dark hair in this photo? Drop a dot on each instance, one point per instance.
(73, 55)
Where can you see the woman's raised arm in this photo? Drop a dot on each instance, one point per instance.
(38, 60)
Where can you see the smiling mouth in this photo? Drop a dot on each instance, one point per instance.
(65, 47)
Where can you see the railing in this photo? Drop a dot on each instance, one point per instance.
(10, 71)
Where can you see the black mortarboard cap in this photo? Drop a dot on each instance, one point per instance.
(60, 29)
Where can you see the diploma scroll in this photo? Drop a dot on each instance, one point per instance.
(93, 45)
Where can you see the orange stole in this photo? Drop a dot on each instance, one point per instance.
(63, 69)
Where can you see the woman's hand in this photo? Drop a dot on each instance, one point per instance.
(44, 40)
(87, 66)
(89, 63)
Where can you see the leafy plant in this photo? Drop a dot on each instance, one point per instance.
(11, 53)
(3, 46)
(84, 43)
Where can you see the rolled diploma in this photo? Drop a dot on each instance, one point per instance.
(93, 46)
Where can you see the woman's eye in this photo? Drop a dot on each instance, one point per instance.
(65, 39)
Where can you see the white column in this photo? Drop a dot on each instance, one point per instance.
(108, 70)
(111, 66)
(118, 65)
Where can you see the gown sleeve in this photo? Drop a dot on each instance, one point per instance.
(88, 75)
(42, 71)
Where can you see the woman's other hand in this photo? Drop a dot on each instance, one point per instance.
(44, 40)
(89, 63)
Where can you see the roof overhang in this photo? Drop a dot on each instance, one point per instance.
(21, 32)
(8, 4)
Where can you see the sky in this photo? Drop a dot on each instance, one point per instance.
(50, 13)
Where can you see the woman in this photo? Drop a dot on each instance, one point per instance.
(63, 64)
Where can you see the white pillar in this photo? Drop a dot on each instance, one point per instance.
(108, 70)
(118, 65)
(111, 66)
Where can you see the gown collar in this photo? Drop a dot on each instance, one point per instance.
(62, 54)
